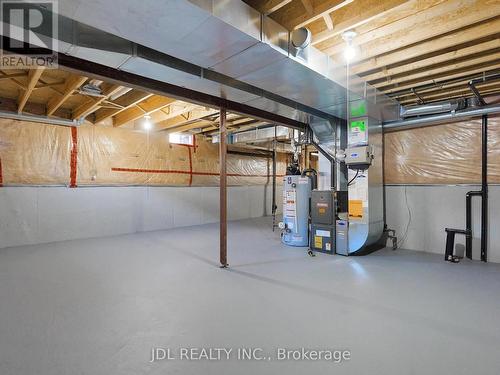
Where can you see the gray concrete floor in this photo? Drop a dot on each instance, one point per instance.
(99, 306)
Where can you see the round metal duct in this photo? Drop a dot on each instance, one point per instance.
(301, 38)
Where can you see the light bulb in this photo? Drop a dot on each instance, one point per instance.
(147, 122)
(349, 52)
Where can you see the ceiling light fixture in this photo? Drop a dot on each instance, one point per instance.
(349, 51)
(147, 122)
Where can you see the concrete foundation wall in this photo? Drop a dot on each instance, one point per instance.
(31, 215)
(433, 208)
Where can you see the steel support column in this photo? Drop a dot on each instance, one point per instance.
(274, 178)
(223, 188)
(484, 188)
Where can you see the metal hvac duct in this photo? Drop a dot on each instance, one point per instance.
(427, 109)
(260, 134)
(429, 120)
(220, 47)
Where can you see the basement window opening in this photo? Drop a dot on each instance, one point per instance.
(181, 139)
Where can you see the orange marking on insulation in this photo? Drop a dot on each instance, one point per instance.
(138, 170)
(74, 157)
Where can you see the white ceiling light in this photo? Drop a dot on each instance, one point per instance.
(147, 122)
(349, 51)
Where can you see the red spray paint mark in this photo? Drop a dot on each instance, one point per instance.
(74, 157)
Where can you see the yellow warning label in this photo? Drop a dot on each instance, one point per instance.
(318, 242)
(356, 208)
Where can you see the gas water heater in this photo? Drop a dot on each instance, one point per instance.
(296, 197)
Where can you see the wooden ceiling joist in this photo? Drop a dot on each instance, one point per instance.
(297, 18)
(401, 44)
(72, 83)
(482, 61)
(33, 77)
(308, 6)
(94, 103)
(425, 25)
(467, 37)
(447, 96)
(462, 91)
(440, 89)
(328, 21)
(146, 107)
(187, 118)
(480, 68)
(354, 15)
(43, 85)
(129, 100)
(272, 6)
(207, 127)
(247, 124)
(122, 104)
(37, 109)
(12, 75)
(461, 55)
(444, 84)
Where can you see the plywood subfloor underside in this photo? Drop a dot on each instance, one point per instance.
(98, 306)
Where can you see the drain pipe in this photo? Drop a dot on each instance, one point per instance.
(483, 193)
(484, 189)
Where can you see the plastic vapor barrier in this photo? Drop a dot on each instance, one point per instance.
(38, 154)
(442, 154)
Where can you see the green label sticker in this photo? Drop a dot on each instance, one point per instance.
(360, 125)
(358, 109)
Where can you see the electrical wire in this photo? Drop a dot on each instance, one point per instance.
(405, 235)
(356, 175)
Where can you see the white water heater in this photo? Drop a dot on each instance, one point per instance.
(296, 197)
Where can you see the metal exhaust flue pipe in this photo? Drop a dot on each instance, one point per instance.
(428, 109)
(429, 120)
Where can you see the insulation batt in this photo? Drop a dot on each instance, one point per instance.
(39, 154)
